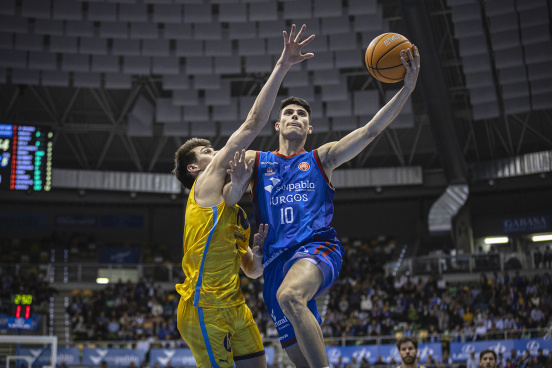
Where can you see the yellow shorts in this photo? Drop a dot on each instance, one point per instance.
(219, 336)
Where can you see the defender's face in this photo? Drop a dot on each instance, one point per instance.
(408, 353)
(204, 156)
(294, 120)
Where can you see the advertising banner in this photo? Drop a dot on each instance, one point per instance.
(177, 357)
(42, 356)
(12, 323)
(119, 255)
(387, 352)
(184, 357)
(533, 345)
(525, 224)
(113, 357)
(460, 351)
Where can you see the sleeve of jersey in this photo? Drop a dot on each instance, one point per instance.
(319, 164)
(255, 174)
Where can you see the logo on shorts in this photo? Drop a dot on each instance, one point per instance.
(227, 343)
(279, 322)
(304, 166)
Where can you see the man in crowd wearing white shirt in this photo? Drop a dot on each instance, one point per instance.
(472, 362)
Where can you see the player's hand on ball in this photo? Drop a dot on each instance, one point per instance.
(259, 239)
(411, 62)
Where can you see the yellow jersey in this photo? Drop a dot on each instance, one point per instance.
(215, 239)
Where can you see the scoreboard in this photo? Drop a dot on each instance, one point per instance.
(22, 300)
(25, 157)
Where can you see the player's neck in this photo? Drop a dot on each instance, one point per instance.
(289, 147)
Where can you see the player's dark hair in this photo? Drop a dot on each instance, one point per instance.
(294, 101)
(486, 351)
(404, 340)
(183, 157)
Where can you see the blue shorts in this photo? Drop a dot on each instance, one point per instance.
(327, 255)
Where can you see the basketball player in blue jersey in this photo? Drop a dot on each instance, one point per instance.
(291, 192)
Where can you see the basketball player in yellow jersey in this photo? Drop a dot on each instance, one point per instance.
(212, 316)
(408, 350)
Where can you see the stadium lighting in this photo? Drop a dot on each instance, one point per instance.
(538, 238)
(497, 240)
(102, 280)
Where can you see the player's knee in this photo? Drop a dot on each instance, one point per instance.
(290, 301)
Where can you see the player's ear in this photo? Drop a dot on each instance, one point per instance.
(277, 126)
(192, 168)
(310, 129)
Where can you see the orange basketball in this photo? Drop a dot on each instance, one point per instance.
(383, 57)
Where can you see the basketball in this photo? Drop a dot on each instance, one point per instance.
(383, 57)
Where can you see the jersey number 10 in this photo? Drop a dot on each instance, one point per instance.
(286, 215)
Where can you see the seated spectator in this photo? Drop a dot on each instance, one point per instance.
(480, 332)
(143, 344)
(113, 328)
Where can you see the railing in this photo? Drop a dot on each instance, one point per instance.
(343, 340)
(463, 263)
(391, 339)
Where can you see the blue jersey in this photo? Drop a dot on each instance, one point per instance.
(294, 197)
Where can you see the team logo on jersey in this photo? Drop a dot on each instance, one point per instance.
(304, 166)
(227, 343)
(269, 171)
(274, 181)
(242, 219)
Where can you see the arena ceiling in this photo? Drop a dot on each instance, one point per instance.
(92, 121)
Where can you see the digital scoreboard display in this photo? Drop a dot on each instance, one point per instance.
(22, 301)
(25, 157)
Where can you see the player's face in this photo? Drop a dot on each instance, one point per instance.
(294, 119)
(204, 156)
(487, 361)
(408, 353)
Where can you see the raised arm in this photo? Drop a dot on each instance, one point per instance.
(211, 182)
(260, 112)
(334, 154)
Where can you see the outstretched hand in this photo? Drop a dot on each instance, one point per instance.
(240, 171)
(412, 64)
(292, 47)
(259, 239)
